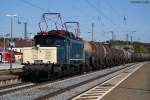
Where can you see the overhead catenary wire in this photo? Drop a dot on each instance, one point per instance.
(33, 5)
(113, 9)
(89, 3)
(103, 26)
(43, 9)
(101, 13)
(121, 15)
(38, 7)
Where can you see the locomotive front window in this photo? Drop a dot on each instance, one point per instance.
(49, 41)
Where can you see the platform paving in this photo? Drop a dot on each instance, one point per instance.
(135, 87)
(7, 66)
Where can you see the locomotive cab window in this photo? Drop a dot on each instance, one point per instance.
(49, 41)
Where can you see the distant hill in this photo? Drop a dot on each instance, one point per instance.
(138, 47)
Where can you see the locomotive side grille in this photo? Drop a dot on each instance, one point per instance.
(47, 54)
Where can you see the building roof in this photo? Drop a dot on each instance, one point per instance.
(23, 43)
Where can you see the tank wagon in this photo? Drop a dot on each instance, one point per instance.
(59, 53)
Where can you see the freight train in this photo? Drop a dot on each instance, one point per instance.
(59, 53)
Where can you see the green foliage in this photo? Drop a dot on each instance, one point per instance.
(138, 47)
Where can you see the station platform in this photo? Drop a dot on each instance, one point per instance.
(6, 66)
(135, 87)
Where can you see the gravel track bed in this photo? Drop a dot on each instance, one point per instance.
(39, 91)
(14, 87)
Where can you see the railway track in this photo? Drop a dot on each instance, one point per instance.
(57, 89)
(7, 78)
(15, 87)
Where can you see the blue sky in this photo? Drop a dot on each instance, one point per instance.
(107, 15)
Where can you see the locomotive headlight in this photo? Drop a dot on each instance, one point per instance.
(38, 45)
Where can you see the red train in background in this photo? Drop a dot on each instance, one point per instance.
(7, 56)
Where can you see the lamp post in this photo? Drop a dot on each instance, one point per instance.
(11, 32)
(92, 31)
(25, 28)
(132, 36)
(4, 37)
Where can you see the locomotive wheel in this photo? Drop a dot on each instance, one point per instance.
(76, 70)
(85, 68)
(49, 71)
(82, 68)
(71, 71)
(65, 70)
(35, 76)
(26, 75)
(53, 71)
(57, 72)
